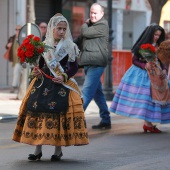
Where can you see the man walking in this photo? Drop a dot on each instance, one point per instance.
(93, 43)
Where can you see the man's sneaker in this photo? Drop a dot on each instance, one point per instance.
(102, 126)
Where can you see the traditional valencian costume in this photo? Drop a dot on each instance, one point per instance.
(139, 93)
(51, 113)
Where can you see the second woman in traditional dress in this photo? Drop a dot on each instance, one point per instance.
(134, 96)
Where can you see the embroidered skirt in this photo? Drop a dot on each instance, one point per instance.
(133, 98)
(50, 128)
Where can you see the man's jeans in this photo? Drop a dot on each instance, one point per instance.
(92, 88)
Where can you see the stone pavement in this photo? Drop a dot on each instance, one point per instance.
(9, 108)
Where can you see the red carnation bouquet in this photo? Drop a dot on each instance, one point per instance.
(148, 52)
(31, 49)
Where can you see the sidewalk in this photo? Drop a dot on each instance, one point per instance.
(9, 108)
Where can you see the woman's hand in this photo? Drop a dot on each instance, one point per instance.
(58, 80)
(36, 72)
(163, 74)
(150, 65)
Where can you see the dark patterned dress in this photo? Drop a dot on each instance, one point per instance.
(50, 113)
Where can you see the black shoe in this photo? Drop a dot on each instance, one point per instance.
(33, 157)
(102, 126)
(56, 157)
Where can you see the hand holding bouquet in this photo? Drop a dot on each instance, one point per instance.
(36, 72)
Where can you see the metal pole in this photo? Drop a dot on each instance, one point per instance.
(107, 85)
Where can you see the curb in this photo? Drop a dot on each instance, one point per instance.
(7, 117)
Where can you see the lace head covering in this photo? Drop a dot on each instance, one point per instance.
(73, 50)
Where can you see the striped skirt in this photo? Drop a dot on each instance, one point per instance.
(133, 98)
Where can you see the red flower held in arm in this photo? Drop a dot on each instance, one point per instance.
(148, 47)
(36, 39)
(31, 49)
(40, 49)
(30, 36)
(148, 52)
(152, 48)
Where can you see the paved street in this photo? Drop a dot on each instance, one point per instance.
(124, 147)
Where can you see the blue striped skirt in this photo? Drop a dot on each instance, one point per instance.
(133, 98)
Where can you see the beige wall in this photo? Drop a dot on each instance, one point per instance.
(165, 15)
(12, 12)
(7, 28)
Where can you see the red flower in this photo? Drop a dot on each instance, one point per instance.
(31, 49)
(22, 59)
(152, 48)
(148, 52)
(29, 54)
(40, 49)
(144, 46)
(36, 39)
(30, 36)
(26, 41)
(148, 46)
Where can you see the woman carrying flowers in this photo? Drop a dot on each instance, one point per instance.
(138, 93)
(51, 112)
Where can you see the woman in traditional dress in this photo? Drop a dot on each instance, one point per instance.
(133, 97)
(51, 112)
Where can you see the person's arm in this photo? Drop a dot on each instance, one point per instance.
(9, 43)
(137, 63)
(94, 31)
(72, 70)
(79, 41)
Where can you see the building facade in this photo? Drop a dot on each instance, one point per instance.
(129, 18)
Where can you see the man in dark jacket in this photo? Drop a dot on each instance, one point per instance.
(93, 43)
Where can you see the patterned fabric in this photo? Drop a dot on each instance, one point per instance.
(50, 113)
(133, 98)
(159, 88)
(40, 128)
(43, 99)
